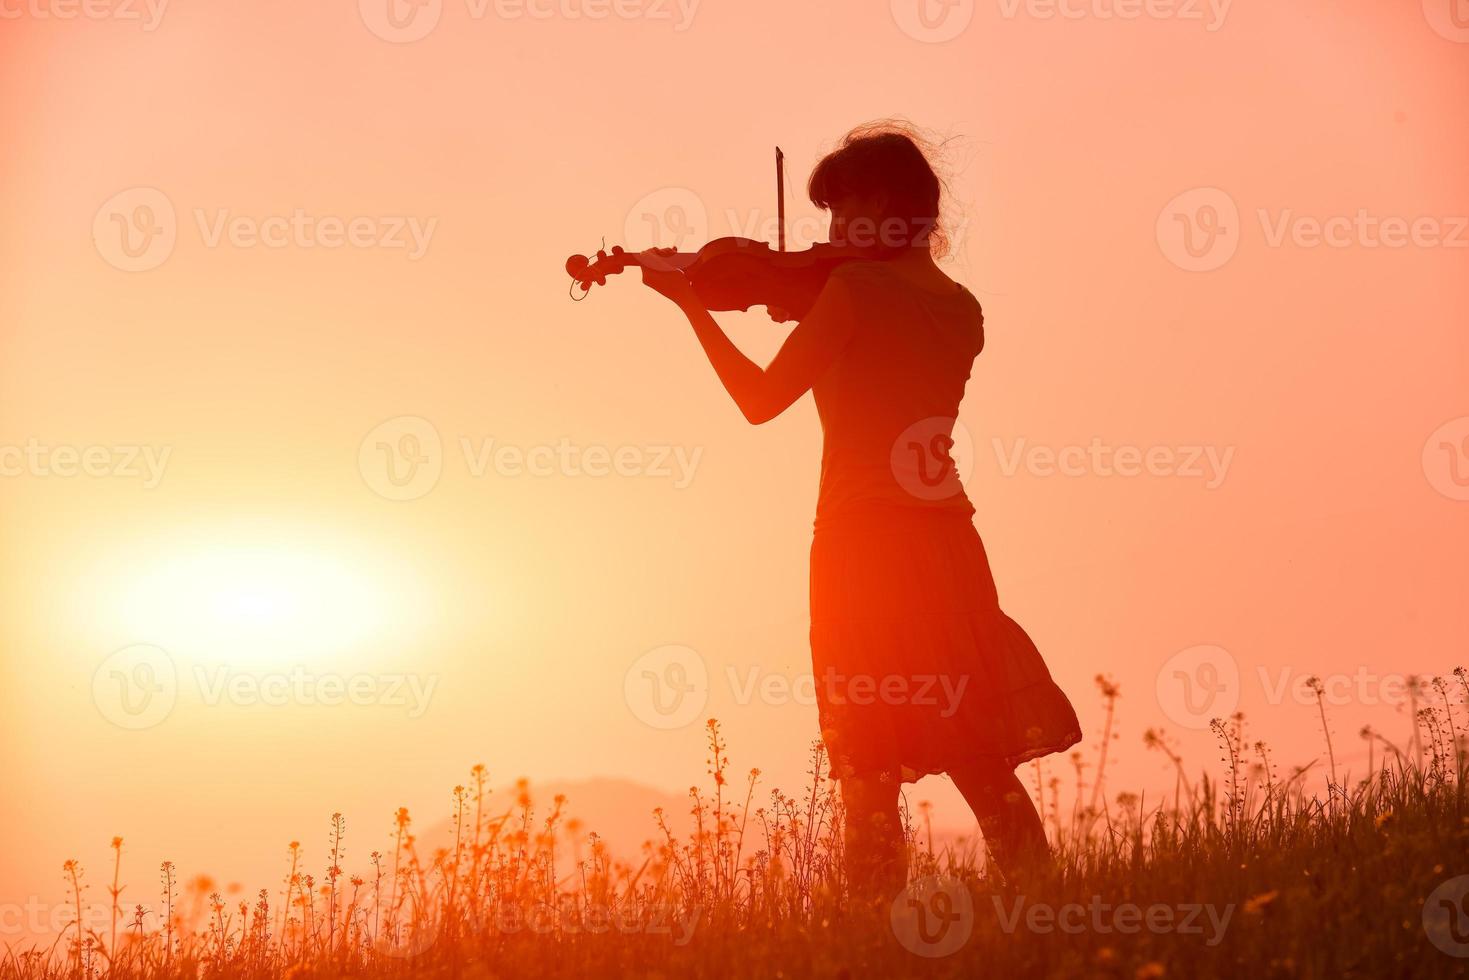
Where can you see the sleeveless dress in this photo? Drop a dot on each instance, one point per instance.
(917, 669)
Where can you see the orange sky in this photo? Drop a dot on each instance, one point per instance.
(351, 230)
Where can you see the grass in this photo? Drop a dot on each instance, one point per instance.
(1237, 873)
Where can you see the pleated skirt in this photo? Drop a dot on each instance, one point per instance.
(917, 669)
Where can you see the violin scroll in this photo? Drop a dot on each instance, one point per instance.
(586, 271)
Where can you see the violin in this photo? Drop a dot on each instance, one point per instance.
(733, 273)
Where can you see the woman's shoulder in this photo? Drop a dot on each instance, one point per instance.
(858, 271)
(881, 279)
(878, 271)
(882, 294)
(860, 267)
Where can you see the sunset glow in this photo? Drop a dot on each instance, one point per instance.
(254, 603)
(322, 481)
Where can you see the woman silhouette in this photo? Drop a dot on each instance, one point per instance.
(917, 669)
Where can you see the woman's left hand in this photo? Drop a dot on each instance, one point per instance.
(668, 281)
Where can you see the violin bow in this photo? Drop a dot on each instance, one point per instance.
(780, 196)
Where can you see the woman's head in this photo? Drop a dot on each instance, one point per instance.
(881, 190)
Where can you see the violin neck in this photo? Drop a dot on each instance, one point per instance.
(668, 263)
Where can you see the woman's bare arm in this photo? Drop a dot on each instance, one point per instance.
(764, 393)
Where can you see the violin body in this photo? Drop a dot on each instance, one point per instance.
(732, 273)
(738, 273)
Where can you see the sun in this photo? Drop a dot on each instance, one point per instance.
(264, 602)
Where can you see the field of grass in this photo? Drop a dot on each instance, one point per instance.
(1240, 872)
